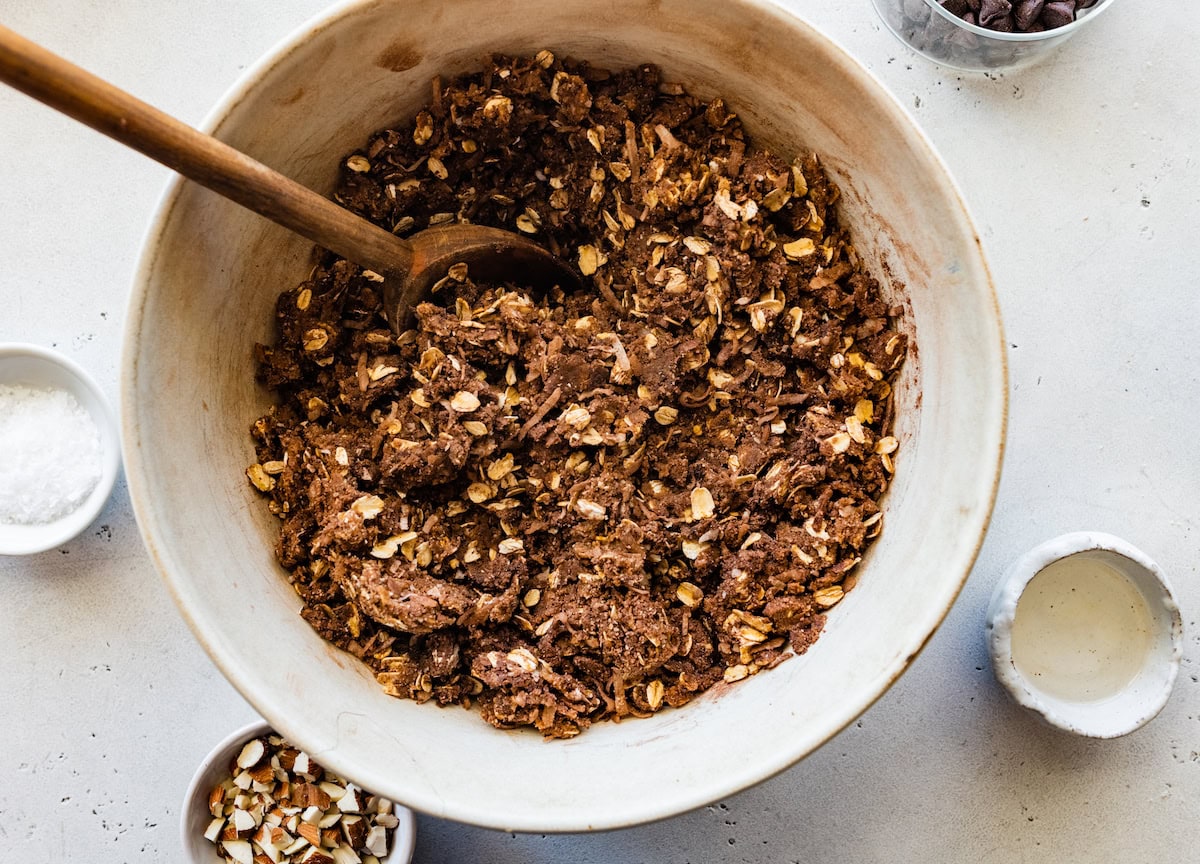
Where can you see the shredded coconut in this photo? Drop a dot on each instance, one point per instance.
(49, 454)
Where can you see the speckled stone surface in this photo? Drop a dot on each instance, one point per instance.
(1083, 176)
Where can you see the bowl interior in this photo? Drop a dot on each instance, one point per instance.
(33, 366)
(206, 294)
(1148, 692)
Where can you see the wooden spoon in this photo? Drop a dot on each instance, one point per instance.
(409, 267)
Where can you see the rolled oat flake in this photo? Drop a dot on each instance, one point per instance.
(50, 458)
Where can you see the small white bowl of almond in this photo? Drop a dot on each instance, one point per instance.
(256, 799)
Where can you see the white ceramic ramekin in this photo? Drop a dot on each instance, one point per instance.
(194, 815)
(35, 366)
(1147, 692)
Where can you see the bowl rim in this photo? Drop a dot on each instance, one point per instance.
(620, 816)
(406, 830)
(1002, 611)
(74, 523)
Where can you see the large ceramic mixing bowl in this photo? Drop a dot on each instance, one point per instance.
(206, 292)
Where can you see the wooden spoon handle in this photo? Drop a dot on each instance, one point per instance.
(77, 93)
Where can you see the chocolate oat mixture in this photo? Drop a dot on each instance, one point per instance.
(572, 507)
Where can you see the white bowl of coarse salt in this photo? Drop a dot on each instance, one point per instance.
(59, 449)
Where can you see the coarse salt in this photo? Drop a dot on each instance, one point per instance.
(50, 457)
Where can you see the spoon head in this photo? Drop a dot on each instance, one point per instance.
(491, 255)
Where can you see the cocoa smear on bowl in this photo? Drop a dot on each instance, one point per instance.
(573, 507)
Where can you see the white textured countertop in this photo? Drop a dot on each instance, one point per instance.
(1083, 175)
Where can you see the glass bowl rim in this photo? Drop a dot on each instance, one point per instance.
(997, 35)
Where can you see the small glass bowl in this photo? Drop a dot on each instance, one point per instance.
(943, 37)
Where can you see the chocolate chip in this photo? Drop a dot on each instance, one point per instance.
(1005, 24)
(1026, 12)
(991, 11)
(1058, 13)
